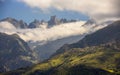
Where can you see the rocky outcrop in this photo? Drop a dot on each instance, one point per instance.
(53, 21)
(34, 24)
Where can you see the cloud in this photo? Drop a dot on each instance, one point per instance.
(6, 25)
(96, 9)
(51, 34)
(46, 34)
(52, 38)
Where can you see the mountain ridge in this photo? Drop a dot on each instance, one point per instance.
(16, 51)
(36, 23)
(105, 35)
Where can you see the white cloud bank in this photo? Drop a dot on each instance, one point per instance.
(45, 34)
(49, 34)
(6, 25)
(96, 9)
(47, 40)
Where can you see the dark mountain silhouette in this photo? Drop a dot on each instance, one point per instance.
(14, 53)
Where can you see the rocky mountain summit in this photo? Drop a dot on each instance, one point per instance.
(36, 23)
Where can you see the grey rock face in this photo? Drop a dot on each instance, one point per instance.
(53, 21)
(34, 24)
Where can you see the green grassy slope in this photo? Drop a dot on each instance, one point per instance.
(96, 60)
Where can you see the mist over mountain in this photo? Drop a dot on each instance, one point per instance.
(90, 56)
(56, 44)
(111, 33)
(59, 37)
(43, 51)
(65, 33)
(60, 32)
(45, 45)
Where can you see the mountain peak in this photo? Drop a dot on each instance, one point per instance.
(16, 23)
(53, 17)
(34, 24)
(9, 19)
(36, 21)
(53, 21)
